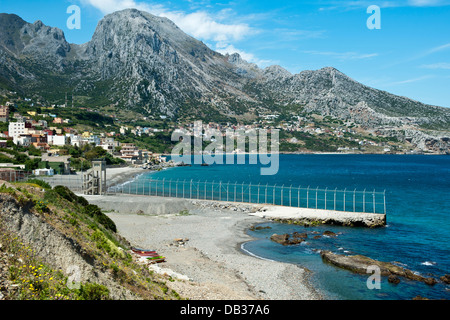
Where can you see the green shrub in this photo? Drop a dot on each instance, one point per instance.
(96, 213)
(93, 291)
(40, 183)
(66, 193)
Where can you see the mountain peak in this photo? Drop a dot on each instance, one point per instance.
(145, 62)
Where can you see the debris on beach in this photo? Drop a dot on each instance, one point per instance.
(179, 242)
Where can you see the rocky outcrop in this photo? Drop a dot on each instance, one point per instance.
(342, 219)
(445, 279)
(360, 264)
(289, 240)
(58, 250)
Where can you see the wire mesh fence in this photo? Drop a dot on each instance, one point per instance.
(368, 201)
(73, 182)
(347, 200)
(13, 175)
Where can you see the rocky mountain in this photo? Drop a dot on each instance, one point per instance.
(144, 62)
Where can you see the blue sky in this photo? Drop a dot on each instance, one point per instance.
(408, 56)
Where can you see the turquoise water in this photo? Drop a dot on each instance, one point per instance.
(418, 207)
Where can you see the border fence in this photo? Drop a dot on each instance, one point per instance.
(347, 200)
(290, 196)
(13, 175)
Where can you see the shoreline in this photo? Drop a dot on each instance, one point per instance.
(205, 245)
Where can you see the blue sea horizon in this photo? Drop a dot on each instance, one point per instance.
(417, 235)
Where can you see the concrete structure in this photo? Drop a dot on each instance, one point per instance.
(24, 140)
(4, 113)
(16, 129)
(94, 180)
(130, 152)
(57, 140)
(44, 172)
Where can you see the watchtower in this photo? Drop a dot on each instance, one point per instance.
(94, 180)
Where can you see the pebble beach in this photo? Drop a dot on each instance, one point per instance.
(202, 245)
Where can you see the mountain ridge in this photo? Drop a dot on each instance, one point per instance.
(146, 63)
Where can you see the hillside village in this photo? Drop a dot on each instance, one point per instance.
(61, 139)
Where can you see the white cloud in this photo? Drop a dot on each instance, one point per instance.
(426, 77)
(425, 3)
(441, 65)
(437, 49)
(358, 4)
(344, 55)
(200, 24)
(224, 48)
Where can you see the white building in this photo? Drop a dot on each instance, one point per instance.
(75, 140)
(57, 140)
(43, 172)
(23, 140)
(16, 129)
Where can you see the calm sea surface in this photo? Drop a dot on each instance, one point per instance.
(418, 213)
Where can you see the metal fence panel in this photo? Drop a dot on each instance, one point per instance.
(282, 195)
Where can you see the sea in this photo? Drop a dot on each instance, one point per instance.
(416, 237)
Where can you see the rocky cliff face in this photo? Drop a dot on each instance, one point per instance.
(56, 248)
(54, 229)
(137, 60)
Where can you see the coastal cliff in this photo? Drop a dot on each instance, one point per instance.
(54, 245)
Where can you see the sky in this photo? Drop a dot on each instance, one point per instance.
(408, 54)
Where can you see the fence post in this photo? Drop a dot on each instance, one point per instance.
(282, 194)
(257, 199)
(335, 190)
(298, 196)
(212, 190)
(273, 198)
(235, 184)
(290, 196)
(317, 189)
(250, 193)
(220, 190)
(228, 186)
(307, 198)
(190, 189)
(345, 190)
(364, 201)
(354, 200)
(374, 206)
(326, 198)
(265, 193)
(204, 196)
(198, 189)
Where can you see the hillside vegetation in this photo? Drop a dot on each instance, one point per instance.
(54, 245)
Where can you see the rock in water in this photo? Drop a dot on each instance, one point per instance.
(446, 279)
(286, 240)
(393, 279)
(360, 264)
